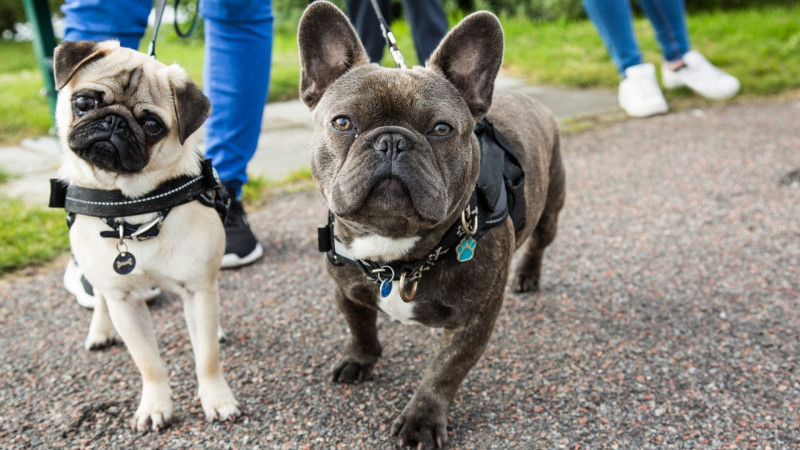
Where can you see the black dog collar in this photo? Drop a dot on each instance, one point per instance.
(497, 194)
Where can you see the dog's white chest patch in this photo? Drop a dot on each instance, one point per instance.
(395, 307)
(380, 248)
(376, 247)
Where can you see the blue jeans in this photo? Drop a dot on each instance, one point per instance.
(614, 22)
(236, 67)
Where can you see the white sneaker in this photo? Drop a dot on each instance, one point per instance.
(702, 77)
(77, 285)
(639, 94)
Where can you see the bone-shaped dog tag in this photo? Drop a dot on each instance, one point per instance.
(124, 263)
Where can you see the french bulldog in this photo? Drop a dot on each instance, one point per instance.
(396, 159)
(127, 125)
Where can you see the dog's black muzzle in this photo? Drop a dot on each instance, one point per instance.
(110, 143)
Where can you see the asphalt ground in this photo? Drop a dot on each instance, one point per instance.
(668, 318)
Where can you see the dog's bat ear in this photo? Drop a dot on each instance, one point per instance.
(470, 57)
(70, 56)
(329, 47)
(191, 105)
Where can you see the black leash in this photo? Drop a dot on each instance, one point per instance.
(192, 27)
(391, 42)
(160, 6)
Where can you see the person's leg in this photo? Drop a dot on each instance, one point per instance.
(428, 25)
(682, 66)
(669, 20)
(100, 20)
(639, 94)
(614, 22)
(236, 71)
(366, 23)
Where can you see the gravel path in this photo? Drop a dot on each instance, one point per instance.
(668, 318)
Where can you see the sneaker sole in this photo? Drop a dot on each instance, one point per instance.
(232, 260)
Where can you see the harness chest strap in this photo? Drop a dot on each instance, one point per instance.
(111, 206)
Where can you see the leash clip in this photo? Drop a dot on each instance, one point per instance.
(143, 229)
(413, 293)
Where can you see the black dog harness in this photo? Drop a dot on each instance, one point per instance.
(112, 206)
(498, 194)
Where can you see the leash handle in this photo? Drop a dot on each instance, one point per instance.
(192, 27)
(391, 42)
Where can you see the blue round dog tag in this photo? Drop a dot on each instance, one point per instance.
(124, 263)
(386, 287)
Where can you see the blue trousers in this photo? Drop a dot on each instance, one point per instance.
(236, 67)
(614, 22)
(426, 17)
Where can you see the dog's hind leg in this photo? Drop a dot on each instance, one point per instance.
(529, 268)
(101, 330)
(135, 326)
(201, 309)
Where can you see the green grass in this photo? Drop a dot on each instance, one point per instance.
(29, 236)
(259, 189)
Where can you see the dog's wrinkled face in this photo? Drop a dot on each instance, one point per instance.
(387, 156)
(393, 151)
(117, 107)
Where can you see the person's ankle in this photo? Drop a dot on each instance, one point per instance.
(676, 65)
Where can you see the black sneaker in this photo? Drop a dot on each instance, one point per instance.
(241, 245)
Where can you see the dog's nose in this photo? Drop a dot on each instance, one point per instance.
(391, 144)
(115, 122)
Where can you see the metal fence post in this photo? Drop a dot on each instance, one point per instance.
(44, 41)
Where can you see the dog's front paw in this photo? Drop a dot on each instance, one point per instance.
(525, 283)
(218, 401)
(98, 340)
(350, 371)
(421, 428)
(155, 409)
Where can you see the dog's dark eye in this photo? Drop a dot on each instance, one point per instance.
(342, 124)
(84, 104)
(152, 125)
(441, 129)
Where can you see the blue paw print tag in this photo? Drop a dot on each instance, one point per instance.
(466, 249)
(386, 287)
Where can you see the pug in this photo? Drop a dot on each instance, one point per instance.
(144, 209)
(424, 220)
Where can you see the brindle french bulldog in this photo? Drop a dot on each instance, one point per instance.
(396, 158)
